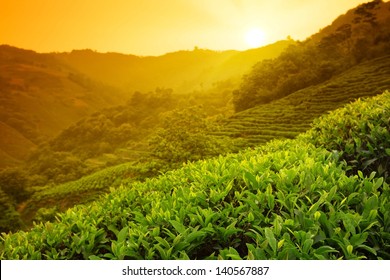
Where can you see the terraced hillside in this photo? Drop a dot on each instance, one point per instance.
(289, 116)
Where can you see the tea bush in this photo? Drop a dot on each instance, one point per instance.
(284, 200)
(360, 132)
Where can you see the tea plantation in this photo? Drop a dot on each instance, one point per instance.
(323, 195)
(293, 114)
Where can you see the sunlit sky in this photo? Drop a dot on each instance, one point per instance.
(155, 27)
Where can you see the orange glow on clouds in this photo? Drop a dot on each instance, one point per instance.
(154, 27)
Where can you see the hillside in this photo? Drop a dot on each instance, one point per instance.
(293, 114)
(291, 199)
(14, 146)
(362, 34)
(39, 96)
(182, 71)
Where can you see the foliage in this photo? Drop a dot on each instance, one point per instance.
(285, 200)
(185, 135)
(296, 68)
(55, 166)
(14, 182)
(10, 218)
(120, 132)
(365, 146)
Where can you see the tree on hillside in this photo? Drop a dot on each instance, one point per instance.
(186, 135)
(9, 218)
(14, 181)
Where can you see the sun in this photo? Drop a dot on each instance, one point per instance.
(255, 37)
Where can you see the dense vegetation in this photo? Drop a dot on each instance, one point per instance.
(362, 34)
(10, 218)
(290, 199)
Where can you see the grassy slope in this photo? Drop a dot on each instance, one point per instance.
(293, 114)
(285, 200)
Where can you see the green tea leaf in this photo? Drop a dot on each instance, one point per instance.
(371, 204)
(178, 226)
(349, 249)
(324, 250)
(307, 245)
(194, 235)
(358, 239)
(269, 235)
(250, 217)
(122, 234)
(368, 249)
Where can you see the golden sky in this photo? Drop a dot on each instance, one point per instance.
(155, 27)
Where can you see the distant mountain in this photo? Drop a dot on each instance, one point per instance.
(183, 71)
(14, 145)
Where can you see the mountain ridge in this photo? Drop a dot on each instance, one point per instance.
(172, 70)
